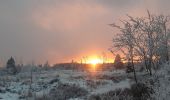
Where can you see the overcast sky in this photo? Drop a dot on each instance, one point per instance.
(61, 30)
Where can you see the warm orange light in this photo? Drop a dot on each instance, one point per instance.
(95, 61)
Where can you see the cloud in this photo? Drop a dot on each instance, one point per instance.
(68, 17)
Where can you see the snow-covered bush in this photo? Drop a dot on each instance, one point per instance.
(137, 91)
(141, 91)
(118, 94)
(95, 83)
(161, 80)
(64, 92)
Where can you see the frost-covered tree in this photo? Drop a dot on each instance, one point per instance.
(145, 39)
(124, 41)
(164, 34)
(151, 39)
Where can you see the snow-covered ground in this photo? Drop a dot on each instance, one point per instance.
(15, 87)
(18, 87)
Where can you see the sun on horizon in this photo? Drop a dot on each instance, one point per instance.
(95, 61)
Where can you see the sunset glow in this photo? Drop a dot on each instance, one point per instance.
(94, 61)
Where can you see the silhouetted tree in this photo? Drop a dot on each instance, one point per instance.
(11, 66)
(117, 62)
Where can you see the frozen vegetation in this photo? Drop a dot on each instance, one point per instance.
(63, 84)
(69, 84)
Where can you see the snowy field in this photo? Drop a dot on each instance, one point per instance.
(64, 84)
(41, 82)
